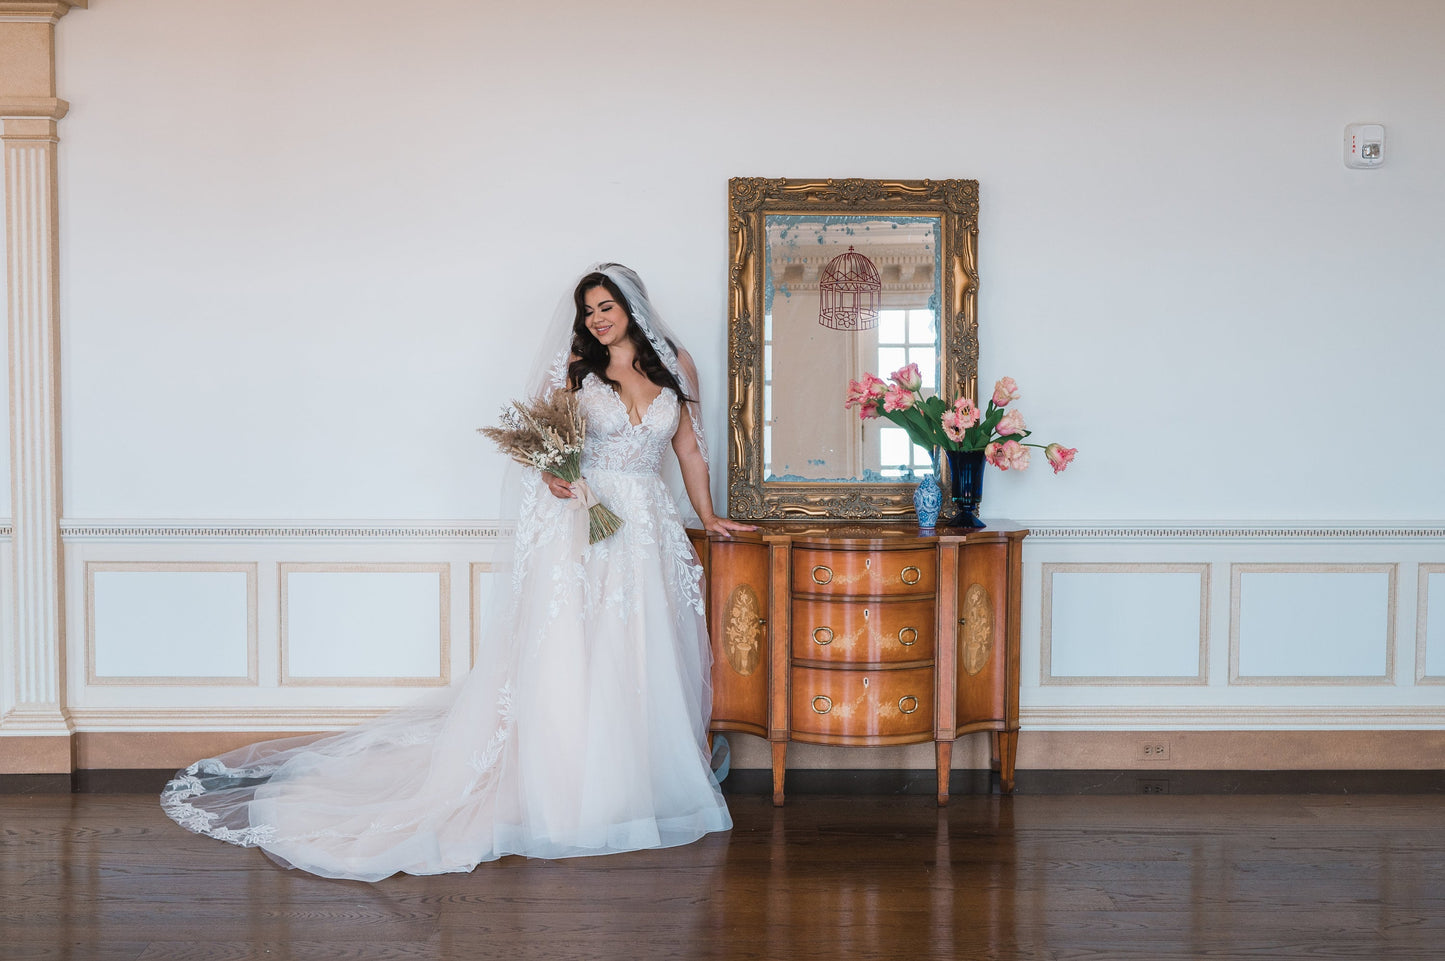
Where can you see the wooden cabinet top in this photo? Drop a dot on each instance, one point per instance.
(868, 535)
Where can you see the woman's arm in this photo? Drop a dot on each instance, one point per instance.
(694, 465)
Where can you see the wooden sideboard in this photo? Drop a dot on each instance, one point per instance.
(861, 634)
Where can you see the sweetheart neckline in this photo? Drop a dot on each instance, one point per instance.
(623, 404)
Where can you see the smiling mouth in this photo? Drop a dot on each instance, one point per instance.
(602, 331)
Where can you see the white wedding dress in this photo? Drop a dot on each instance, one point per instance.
(580, 731)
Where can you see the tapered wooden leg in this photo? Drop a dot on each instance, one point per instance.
(780, 767)
(1008, 743)
(993, 749)
(945, 767)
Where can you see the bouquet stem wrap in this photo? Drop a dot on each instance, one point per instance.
(601, 522)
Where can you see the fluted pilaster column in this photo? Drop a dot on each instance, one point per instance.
(34, 728)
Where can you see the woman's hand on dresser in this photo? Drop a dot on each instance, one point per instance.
(725, 527)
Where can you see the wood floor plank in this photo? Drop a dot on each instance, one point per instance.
(1053, 878)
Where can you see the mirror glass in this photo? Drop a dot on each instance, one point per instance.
(845, 295)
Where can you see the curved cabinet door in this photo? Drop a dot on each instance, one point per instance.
(982, 653)
(738, 600)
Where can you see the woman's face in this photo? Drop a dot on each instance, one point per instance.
(604, 316)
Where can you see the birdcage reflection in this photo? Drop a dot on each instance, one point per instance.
(849, 292)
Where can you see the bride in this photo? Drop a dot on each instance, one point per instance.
(582, 729)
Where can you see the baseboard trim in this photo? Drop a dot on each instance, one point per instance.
(1188, 750)
(757, 782)
(746, 782)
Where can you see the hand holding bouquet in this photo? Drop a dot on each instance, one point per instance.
(547, 434)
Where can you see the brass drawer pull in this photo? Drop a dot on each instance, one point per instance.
(907, 704)
(917, 575)
(912, 636)
(822, 641)
(827, 704)
(826, 572)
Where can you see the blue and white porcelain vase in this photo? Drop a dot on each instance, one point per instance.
(927, 500)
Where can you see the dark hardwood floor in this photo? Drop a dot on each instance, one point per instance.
(105, 877)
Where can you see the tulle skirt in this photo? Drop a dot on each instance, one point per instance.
(580, 731)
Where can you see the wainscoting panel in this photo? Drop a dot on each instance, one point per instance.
(1312, 624)
(480, 580)
(176, 623)
(1430, 630)
(1125, 624)
(1125, 630)
(385, 624)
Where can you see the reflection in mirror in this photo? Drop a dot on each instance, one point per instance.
(844, 295)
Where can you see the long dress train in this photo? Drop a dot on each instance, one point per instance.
(581, 730)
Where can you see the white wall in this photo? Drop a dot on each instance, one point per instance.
(305, 246)
(306, 249)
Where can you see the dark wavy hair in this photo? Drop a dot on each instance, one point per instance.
(592, 355)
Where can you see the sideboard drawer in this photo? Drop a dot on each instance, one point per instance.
(863, 632)
(839, 703)
(856, 573)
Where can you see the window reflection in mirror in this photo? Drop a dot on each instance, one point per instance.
(843, 296)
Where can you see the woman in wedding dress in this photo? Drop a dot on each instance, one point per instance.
(582, 729)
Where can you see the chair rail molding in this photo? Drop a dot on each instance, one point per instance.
(33, 701)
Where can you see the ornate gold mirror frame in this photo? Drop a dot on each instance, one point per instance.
(753, 493)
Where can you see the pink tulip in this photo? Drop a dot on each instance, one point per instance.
(898, 399)
(1060, 456)
(910, 378)
(1010, 455)
(959, 418)
(866, 394)
(1012, 423)
(1015, 455)
(967, 413)
(1004, 391)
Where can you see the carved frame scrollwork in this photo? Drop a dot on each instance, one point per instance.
(750, 200)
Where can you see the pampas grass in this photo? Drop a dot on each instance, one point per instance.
(547, 434)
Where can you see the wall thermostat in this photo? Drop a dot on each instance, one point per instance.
(1364, 145)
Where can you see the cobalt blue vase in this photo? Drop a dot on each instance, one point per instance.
(965, 487)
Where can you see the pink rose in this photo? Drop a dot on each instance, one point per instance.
(898, 399)
(857, 394)
(909, 378)
(991, 454)
(1004, 391)
(875, 385)
(1060, 456)
(1012, 423)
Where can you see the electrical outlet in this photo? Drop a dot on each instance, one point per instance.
(1153, 786)
(1154, 750)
